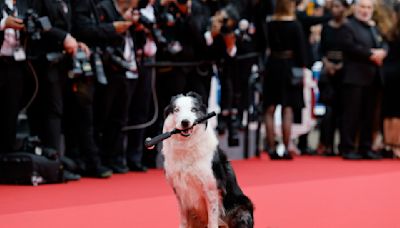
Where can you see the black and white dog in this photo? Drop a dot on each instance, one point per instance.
(200, 174)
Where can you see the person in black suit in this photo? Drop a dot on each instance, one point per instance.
(80, 136)
(103, 24)
(46, 112)
(13, 69)
(364, 52)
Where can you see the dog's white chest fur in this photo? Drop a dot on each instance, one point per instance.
(188, 168)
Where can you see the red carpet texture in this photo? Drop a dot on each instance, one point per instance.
(307, 192)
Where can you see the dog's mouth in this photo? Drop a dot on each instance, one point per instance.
(186, 132)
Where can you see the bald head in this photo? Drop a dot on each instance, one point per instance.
(363, 10)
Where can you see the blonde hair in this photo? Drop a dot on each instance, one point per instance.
(386, 21)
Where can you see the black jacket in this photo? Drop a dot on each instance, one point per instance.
(59, 13)
(358, 41)
(91, 26)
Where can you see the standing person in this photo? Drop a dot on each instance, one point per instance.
(79, 117)
(122, 83)
(139, 110)
(307, 21)
(329, 85)
(13, 69)
(391, 70)
(287, 44)
(364, 55)
(46, 112)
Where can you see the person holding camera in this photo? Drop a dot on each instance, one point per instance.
(51, 47)
(13, 69)
(100, 35)
(146, 36)
(177, 19)
(102, 24)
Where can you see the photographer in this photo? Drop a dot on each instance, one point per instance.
(84, 93)
(13, 70)
(144, 18)
(103, 25)
(223, 41)
(183, 24)
(51, 49)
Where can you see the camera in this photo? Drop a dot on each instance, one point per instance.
(149, 24)
(114, 56)
(34, 24)
(81, 65)
(229, 22)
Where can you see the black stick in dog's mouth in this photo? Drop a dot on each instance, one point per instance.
(186, 132)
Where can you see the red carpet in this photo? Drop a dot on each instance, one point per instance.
(307, 192)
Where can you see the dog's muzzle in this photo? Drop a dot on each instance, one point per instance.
(186, 132)
(187, 129)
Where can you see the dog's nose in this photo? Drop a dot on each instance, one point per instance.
(185, 123)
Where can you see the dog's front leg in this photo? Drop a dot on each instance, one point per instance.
(211, 192)
(184, 220)
(183, 213)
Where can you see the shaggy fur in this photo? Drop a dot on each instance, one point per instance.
(200, 174)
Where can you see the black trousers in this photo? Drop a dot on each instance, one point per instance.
(111, 115)
(12, 77)
(358, 106)
(78, 123)
(139, 113)
(46, 112)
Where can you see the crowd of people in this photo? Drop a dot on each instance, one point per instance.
(91, 70)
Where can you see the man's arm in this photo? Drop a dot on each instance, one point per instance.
(87, 27)
(353, 48)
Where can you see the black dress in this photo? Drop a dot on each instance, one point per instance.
(391, 69)
(331, 47)
(284, 36)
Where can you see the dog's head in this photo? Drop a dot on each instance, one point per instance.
(183, 111)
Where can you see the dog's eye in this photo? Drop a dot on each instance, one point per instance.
(176, 109)
(195, 110)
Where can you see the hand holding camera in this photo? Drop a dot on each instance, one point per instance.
(70, 45)
(14, 23)
(122, 26)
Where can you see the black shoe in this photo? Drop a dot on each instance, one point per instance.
(328, 152)
(98, 172)
(134, 167)
(286, 156)
(308, 151)
(386, 153)
(119, 168)
(372, 155)
(352, 156)
(273, 155)
(69, 176)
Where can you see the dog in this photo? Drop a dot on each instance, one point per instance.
(202, 178)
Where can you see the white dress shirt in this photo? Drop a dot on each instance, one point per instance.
(10, 42)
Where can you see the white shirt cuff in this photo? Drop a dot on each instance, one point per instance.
(3, 24)
(209, 38)
(233, 51)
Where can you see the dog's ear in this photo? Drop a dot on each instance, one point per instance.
(168, 110)
(199, 99)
